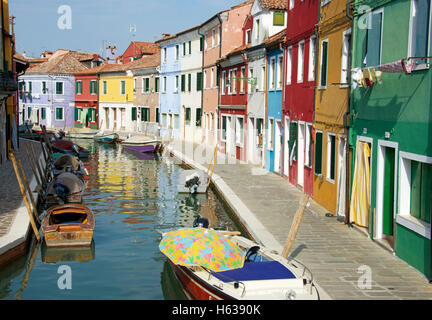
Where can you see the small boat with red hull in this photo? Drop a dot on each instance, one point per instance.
(264, 276)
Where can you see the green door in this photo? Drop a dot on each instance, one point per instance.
(388, 207)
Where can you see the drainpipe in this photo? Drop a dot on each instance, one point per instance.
(282, 49)
(202, 91)
(347, 125)
(217, 67)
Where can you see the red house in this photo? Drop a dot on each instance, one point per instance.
(87, 98)
(298, 95)
(136, 50)
(233, 103)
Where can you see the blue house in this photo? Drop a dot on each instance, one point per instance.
(170, 82)
(273, 143)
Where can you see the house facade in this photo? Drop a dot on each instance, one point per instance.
(299, 93)
(331, 108)
(116, 110)
(136, 50)
(170, 77)
(86, 99)
(391, 127)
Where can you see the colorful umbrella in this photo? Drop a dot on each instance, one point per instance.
(202, 247)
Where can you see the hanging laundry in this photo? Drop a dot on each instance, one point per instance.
(378, 75)
(367, 77)
(393, 67)
(356, 76)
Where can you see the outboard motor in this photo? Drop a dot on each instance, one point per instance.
(193, 182)
(201, 222)
(62, 191)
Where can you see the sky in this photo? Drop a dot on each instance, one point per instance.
(90, 25)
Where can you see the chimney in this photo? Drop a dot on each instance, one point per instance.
(111, 54)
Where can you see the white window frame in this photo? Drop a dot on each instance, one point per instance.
(308, 142)
(312, 53)
(223, 85)
(221, 127)
(55, 113)
(212, 78)
(238, 132)
(165, 55)
(177, 52)
(257, 29)
(80, 81)
(250, 84)
(300, 58)
(143, 85)
(345, 68)
(55, 88)
(411, 36)
(270, 133)
(289, 66)
(279, 78)
(213, 37)
(248, 36)
(272, 74)
(328, 164)
(176, 84)
(93, 94)
(242, 75)
(403, 216)
(263, 78)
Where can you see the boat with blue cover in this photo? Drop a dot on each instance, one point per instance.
(106, 137)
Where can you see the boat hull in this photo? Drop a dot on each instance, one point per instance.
(77, 238)
(108, 138)
(141, 148)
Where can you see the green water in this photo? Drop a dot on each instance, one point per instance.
(133, 200)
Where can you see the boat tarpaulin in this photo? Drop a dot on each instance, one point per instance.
(360, 199)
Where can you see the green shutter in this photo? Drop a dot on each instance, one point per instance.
(134, 113)
(199, 81)
(189, 82)
(415, 189)
(28, 112)
(157, 115)
(421, 186)
(293, 138)
(157, 84)
(374, 41)
(422, 29)
(190, 47)
(324, 56)
(59, 88)
(30, 87)
(59, 113)
(183, 82)
(76, 114)
(318, 152)
(332, 157)
(43, 113)
(278, 18)
(201, 44)
(198, 113)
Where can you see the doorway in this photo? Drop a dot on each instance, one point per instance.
(277, 150)
(300, 154)
(286, 147)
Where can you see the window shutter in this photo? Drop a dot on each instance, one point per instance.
(332, 157)
(422, 28)
(199, 81)
(77, 87)
(190, 47)
(374, 41)
(189, 82)
(183, 82)
(76, 114)
(134, 113)
(293, 138)
(318, 152)
(415, 189)
(198, 113)
(324, 64)
(278, 18)
(426, 188)
(201, 44)
(156, 84)
(43, 113)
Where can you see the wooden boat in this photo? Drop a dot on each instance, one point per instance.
(106, 137)
(25, 127)
(142, 144)
(68, 226)
(68, 163)
(66, 188)
(69, 147)
(84, 133)
(265, 275)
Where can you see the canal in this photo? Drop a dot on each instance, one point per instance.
(134, 199)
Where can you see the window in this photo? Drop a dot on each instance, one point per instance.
(308, 147)
(419, 30)
(30, 87)
(420, 190)
(201, 44)
(145, 85)
(331, 156)
(279, 18)
(184, 48)
(134, 84)
(263, 76)
(176, 84)
(291, 4)
(224, 128)
(164, 120)
(346, 57)
(156, 84)
(183, 82)
(239, 131)
(199, 81)
(293, 133)
(59, 113)
(43, 113)
(177, 52)
(164, 87)
(122, 87)
(198, 116)
(93, 87)
(318, 152)
(157, 115)
(213, 37)
(300, 62)
(231, 80)
(311, 70)
(272, 73)
(164, 54)
(212, 78)
(29, 112)
(234, 81)
(219, 34)
(270, 134)
(248, 36)
(250, 83)
(187, 116)
(257, 29)
(243, 79)
(205, 79)
(289, 65)
(190, 47)
(59, 87)
(44, 87)
(145, 114)
(323, 67)
(372, 56)
(279, 74)
(134, 113)
(78, 87)
(176, 121)
(190, 82)
(104, 87)
(223, 82)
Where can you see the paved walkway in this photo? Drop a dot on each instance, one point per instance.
(338, 256)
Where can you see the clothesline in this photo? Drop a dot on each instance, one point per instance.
(388, 64)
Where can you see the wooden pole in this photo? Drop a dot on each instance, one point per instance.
(37, 163)
(27, 186)
(38, 180)
(43, 151)
(29, 211)
(213, 165)
(294, 226)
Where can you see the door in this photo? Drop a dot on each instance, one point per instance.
(277, 150)
(251, 143)
(123, 118)
(115, 118)
(48, 117)
(341, 178)
(286, 147)
(389, 182)
(106, 118)
(300, 154)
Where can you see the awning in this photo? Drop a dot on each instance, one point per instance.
(232, 107)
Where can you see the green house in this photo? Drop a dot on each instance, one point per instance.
(391, 126)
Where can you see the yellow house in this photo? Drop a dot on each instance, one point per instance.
(116, 90)
(331, 106)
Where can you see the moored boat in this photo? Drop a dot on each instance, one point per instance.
(68, 163)
(264, 275)
(68, 226)
(106, 137)
(67, 188)
(142, 144)
(81, 133)
(68, 147)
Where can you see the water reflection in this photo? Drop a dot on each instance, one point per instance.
(133, 200)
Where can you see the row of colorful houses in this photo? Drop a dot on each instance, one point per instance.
(318, 92)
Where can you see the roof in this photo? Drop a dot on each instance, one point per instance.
(63, 63)
(274, 4)
(147, 47)
(145, 62)
(278, 37)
